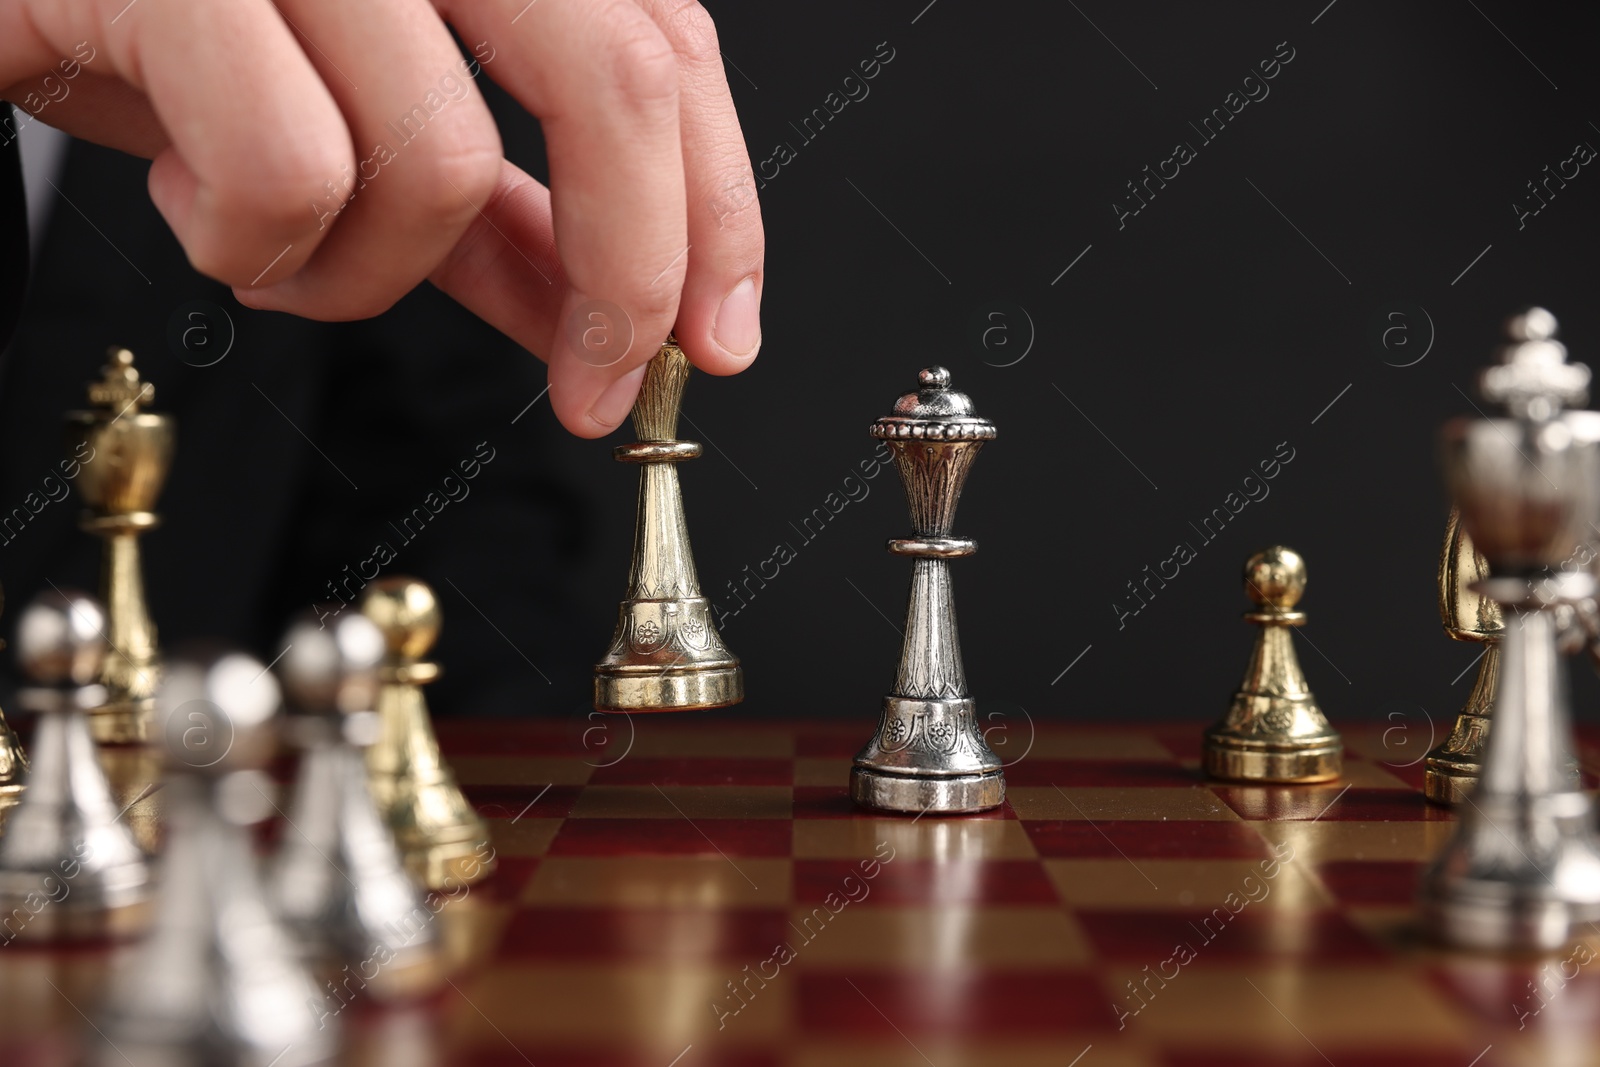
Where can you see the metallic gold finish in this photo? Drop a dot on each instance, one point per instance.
(666, 654)
(1274, 731)
(128, 453)
(444, 841)
(1451, 769)
(13, 761)
(928, 754)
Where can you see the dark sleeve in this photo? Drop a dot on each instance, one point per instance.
(13, 236)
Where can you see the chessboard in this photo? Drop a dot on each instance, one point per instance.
(689, 891)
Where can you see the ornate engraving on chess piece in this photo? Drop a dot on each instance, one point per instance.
(1523, 869)
(1274, 731)
(339, 881)
(1451, 769)
(13, 761)
(928, 754)
(444, 841)
(666, 654)
(66, 842)
(217, 980)
(130, 451)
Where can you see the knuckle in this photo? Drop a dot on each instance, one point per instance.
(456, 183)
(643, 65)
(692, 32)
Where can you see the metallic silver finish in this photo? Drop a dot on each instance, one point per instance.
(217, 983)
(928, 754)
(339, 881)
(1523, 870)
(65, 846)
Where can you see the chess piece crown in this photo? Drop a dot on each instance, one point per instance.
(666, 653)
(928, 753)
(444, 841)
(129, 454)
(1522, 871)
(1274, 730)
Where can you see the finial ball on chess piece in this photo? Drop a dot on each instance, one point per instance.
(334, 667)
(1275, 577)
(1533, 324)
(407, 613)
(61, 639)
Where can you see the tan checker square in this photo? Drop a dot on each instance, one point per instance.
(936, 839)
(1100, 803)
(1103, 745)
(1326, 840)
(659, 882)
(524, 837)
(640, 1007)
(651, 739)
(817, 770)
(1365, 774)
(684, 801)
(1295, 1009)
(868, 937)
(978, 1052)
(1150, 883)
(520, 770)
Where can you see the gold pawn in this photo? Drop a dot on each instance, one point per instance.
(1274, 731)
(1451, 769)
(13, 761)
(444, 841)
(129, 451)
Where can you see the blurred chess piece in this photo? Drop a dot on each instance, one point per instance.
(125, 452)
(1523, 869)
(666, 654)
(217, 981)
(928, 753)
(13, 761)
(69, 865)
(444, 841)
(339, 881)
(1274, 731)
(1451, 769)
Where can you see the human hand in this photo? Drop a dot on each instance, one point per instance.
(324, 158)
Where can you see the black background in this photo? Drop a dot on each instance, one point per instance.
(1244, 307)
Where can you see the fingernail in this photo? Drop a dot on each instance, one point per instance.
(738, 325)
(615, 403)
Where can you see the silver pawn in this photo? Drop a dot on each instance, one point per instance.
(1523, 869)
(339, 880)
(217, 983)
(69, 867)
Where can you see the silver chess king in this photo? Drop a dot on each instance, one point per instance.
(1523, 869)
(928, 754)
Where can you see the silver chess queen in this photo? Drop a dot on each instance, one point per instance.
(928, 754)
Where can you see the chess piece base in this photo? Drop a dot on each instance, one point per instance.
(444, 865)
(1240, 759)
(1449, 778)
(920, 794)
(123, 723)
(647, 688)
(1470, 900)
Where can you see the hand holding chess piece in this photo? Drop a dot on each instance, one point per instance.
(1274, 731)
(217, 980)
(445, 843)
(67, 860)
(339, 881)
(1523, 869)
(128, 453)
(666, 654)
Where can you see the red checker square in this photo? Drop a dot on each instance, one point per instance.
(672, 837)
(520, 801)
(829, 746)
(621, 934)
(1277, 802)
(833, 802)
(1183, 742)
(1152, 937)
(644, 770)
(501, 1054)
(1112, 773)
(1560, 993)
(926, 883)
(1172, 839)
(511, 875)
(950, 1002)
(500, 737)
(1412, 775)
(1372, 882)
(1312, 1058)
